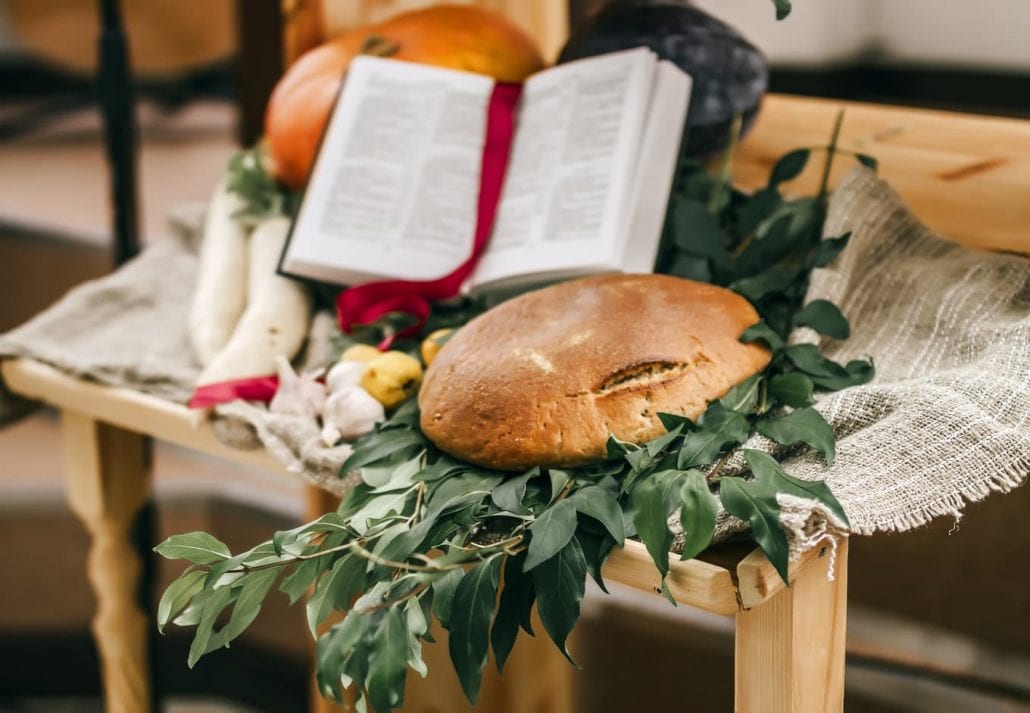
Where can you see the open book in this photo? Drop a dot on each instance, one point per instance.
(394, 189)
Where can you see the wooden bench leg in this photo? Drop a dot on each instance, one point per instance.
(790, 648)
(108, 472)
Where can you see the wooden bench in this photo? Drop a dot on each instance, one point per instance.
(967, 177)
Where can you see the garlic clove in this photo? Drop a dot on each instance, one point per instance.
(349, 413)
(297, 395)
(345, 373)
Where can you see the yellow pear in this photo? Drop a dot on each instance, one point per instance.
(392, 377)
(360, 352)
(432, 344)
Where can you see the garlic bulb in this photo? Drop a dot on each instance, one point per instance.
(344, 373)
(349, 412)
(297, 395)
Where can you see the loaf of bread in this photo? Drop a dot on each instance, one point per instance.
(544, 379)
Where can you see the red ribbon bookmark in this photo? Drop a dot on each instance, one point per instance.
(366, 303)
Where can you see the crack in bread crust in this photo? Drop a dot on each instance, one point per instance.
(645, 374)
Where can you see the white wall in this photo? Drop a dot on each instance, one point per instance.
(955, 33)
(987, 33)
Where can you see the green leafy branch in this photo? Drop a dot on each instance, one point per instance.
(425, 536)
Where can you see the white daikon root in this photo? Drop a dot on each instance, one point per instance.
(220, 295)
(278, 313)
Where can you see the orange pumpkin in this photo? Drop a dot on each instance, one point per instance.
(455, 36)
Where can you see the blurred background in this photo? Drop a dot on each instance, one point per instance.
(920, 638)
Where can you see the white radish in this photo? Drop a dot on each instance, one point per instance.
(220, 295)
(277, 317)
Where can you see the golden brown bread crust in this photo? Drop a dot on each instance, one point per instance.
(544, 378)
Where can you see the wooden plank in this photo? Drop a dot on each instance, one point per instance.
(694, 582)
(108, 471)
(790, 649)
(131, 410)
(758, 580)
(966, 177)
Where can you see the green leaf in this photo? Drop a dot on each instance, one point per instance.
(178, 595)
(755, 503)
(411, 539)
(559, 479)
(856, 373)
(379, 507)
(672, 421)
(762, 332)
(213, 602)
(698, 232)
(793, 389)
(744, 396)
(810, 360)
(805, 425)
(441, 469)
(443, 595)
(514, 609)
(388, 662)
(465, 483)
(596, 548)
(697, 515)
(336, 589)
(197, 547)
(717, 427)
(508, 495)
(296, 583)
(824, 317)
(773, 279)
(765, 466)
(380, 445)
(790, 165)
(330, 522)
(470, 624)
(416, 613)
(600, 504)
(655, 446)
(336, 651)
(252, 594)
(829, 249)
(560, 583)
(783, 8)
(868, 161)
(654, 500)
(768, 246)
(551, 531)
(757, 208)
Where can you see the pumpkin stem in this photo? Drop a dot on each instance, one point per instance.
(379, 46)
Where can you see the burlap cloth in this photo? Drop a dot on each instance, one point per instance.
(944, 422)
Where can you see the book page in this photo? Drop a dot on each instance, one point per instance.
(568, 183)
(393, 193)
(656, 167)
